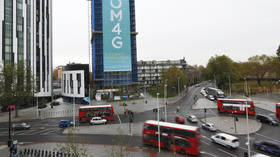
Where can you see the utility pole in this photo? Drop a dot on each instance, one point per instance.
(178, 85)
(165, 101)
(10, 138)
(158, 123)
(74, 112)
(229, 85)
(248, 135)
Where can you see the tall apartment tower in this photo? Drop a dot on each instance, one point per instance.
(114, 56)
(26, 36)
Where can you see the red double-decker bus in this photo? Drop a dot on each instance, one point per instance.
(103, 111)
(176, 137)
(238, 106)
(278, 111)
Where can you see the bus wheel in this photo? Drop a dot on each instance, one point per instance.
(182, 151)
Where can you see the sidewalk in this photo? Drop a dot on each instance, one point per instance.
(94, 150)
(66, 109)
(266, 102)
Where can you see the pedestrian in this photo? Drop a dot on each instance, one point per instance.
(178, 108)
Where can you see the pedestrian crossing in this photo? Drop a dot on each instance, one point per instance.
(32, 131)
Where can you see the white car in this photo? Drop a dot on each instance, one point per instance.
(202, 91)
(97, 120)
(192, 118)
(226, 140)
(211, 97)
(209, 126)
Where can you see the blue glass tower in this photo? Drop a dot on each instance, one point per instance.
(114, 55)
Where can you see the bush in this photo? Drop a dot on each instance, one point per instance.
(42, 106)
(55, 103)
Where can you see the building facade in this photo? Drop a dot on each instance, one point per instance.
(75, 82)
(149, 72)
(26, 36)
(114, 56)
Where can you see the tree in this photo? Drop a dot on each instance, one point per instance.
(172, 77)
(259, 66)
(72, 146)
(221, 68)
(278, 52)
(17, 84)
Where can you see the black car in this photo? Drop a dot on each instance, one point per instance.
(268, 146)
(266, 119)
(20, 126)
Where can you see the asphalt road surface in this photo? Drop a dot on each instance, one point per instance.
(48, 130)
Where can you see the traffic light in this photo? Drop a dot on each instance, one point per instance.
(236, 118)
(204, 110)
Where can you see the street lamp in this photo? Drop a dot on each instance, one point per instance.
(158, 123)
(178, 85)
(165, 101)
(229, 85)
(248, 136)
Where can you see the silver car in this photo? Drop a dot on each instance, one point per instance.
(209, 126)
(192, 118)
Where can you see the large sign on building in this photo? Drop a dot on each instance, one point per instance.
(116, 35)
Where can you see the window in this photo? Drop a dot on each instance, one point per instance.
(182, 143)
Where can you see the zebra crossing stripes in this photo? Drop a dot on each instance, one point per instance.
(43, 131)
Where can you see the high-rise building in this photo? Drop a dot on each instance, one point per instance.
(26, 36)
(114, 56)
(149, 72)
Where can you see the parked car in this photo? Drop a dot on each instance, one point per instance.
(211, 97)
(268, 146)
(97, 120)
(65, 123)
(202, 91)
(260, 155)
(20, 126)
(225, 140)
(209, 126)
(266, 119)
(180, 119)
(192, 118)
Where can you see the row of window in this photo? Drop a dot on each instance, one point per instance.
(165, 139)
(170, 130)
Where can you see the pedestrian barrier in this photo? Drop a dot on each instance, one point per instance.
(42, 153)
(54, 114)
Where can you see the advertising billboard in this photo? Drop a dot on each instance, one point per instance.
(116, 35)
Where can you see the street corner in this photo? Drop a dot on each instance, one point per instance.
(202, 103)
(230, 125)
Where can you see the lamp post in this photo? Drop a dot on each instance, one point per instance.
(158, 123)
(248, 136)
(165, 101)
(229, 85)
(74, 112)
(178, 85)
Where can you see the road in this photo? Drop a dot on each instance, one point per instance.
(48, 130)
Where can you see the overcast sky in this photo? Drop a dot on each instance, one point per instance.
(173, 29)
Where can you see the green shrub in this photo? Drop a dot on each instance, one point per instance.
(55, 103)
(40, 106)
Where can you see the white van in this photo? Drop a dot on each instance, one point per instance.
(260, 155)
(226, 140)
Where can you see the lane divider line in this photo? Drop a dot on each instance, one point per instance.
(226, 152)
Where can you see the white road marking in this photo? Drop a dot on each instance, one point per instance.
(119, 119)
(226, 152)
(205, 142)
(51, 131)
(206, 138)
(213, 112)
(267, 137)
(202, 152)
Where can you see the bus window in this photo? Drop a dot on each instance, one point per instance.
(182, 143)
